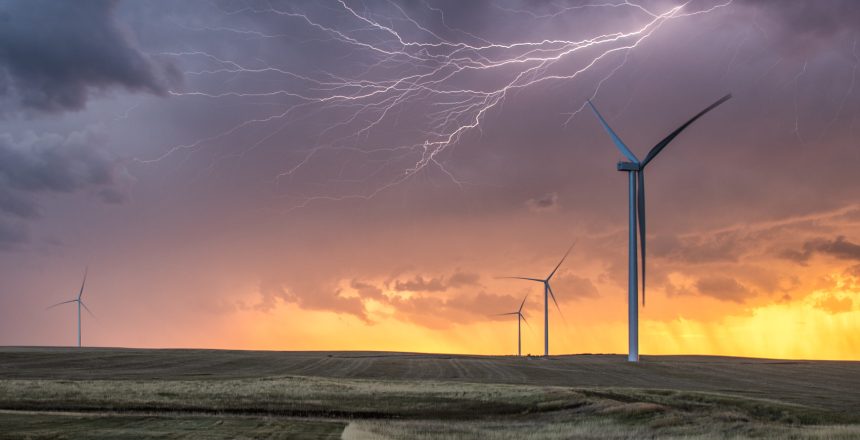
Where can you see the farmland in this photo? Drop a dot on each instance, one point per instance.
(111, 393)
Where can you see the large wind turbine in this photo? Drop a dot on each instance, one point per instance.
(635, 170)
(520, 319)
(547, 294)
(80, 304)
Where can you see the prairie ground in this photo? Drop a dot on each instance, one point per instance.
(127, 393)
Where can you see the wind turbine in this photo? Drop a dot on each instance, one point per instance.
(635, 170)
(80, 304)
(520, 318)
(547, 294)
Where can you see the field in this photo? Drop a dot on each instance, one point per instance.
(127, 393)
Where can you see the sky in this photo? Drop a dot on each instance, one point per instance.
(359, 175)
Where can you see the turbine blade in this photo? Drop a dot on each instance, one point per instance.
(61, 303)
(641, 215)
(618, 142)
(524, 320)
(552, 295)
(84, 282)
(562, 260)
(520, 310)
(662, 144)
(522, 278)
(88, 309)
(503, 314)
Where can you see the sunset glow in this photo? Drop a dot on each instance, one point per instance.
(345, 175)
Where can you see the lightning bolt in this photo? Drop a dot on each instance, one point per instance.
(848, 92)
(796, 104)
(403, 75)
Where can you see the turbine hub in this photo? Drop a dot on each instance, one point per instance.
(629, 166)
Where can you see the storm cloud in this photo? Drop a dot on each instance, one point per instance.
(723, 288)
(309, 295)
(38, 165)
(802, 19)
(12, 233)
(419, 283)
(435, 312)
(839, 247)
(54, 55)
(545, 203)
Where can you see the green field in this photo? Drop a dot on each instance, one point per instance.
(127, 393)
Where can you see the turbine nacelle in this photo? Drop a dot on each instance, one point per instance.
(629, 166)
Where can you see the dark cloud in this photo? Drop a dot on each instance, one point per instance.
(436, 284)
(723, 288)
(723, 247)
(433, 312)
(320, 292)
(55, 54)
(568, 286)
(460, 279)
(799, 29)
(801, 19)
(39, 165)
(764, 278)
(16, 205)
(111, 196)
(838, 248)
(49, 163)
(52, 163)
(798, 256)
(420, 284)
(270, 293)
(673, 290)
(484, 305)
(427, 312)
(544, 203)
(12, 233)
(425, 307)
(367, 290)
(310, 294)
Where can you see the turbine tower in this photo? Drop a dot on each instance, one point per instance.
(520, 319)
(80, 304)
(547, 294)
(635, 170)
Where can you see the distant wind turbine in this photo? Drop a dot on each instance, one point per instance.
(547, 294)
(520, 319)
(80, 304)
(635, 170)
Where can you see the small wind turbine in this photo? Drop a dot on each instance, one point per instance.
(520, 319)
(80, 304)
(635, 170)
(547, 294)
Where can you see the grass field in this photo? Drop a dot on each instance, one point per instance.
(125, 393)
